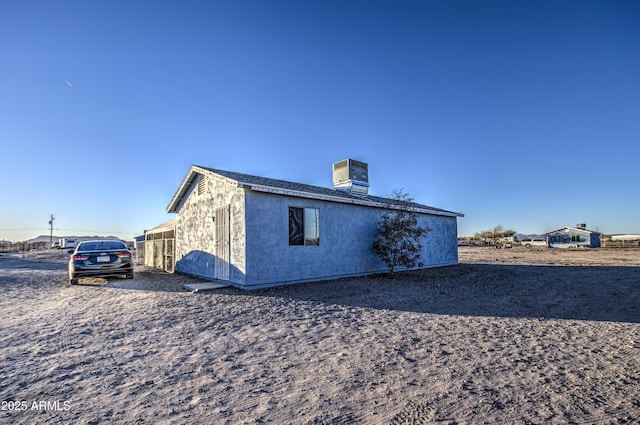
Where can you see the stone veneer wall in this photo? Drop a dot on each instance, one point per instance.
(195, 229)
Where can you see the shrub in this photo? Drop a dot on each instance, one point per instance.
(398, 241)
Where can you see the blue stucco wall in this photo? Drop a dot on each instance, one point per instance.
(347, 233)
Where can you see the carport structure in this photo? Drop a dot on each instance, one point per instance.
(159, 247)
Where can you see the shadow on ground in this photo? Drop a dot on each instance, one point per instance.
(149, 279)
(523, 291)
(598, 293)
(13, 262)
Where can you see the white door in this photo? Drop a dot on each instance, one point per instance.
(222, 243)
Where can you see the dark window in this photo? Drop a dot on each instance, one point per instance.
(304, 226)
(101, 245)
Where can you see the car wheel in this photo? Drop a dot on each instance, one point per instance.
(128, 276)
(73, 281)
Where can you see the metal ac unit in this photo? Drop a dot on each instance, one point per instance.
(351, 175)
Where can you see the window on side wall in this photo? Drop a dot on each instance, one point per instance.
(304, 226)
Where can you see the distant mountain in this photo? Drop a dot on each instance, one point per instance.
(47, 238)
(42, 238)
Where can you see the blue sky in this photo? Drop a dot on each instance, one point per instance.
(524, 114)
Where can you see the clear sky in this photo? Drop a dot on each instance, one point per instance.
(520, 113)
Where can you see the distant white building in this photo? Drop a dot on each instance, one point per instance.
(626, 237)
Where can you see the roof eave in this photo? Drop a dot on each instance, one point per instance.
(169, 225)
(322, 197)
(180, 195)
(573, 228)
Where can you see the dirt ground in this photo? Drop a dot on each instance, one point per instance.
(513, 336)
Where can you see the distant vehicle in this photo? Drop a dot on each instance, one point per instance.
(100, 258)
(67, 242)
(533, 242)
(506, 242)
(55, 245)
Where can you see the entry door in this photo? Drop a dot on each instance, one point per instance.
(222, 243)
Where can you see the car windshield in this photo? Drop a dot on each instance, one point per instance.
(101, 246)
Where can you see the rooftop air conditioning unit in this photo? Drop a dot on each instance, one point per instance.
(351, 176)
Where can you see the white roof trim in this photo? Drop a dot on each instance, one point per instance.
(179, 196)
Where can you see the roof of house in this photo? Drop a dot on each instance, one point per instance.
(168, 225)
(565, 228)
(283, 187)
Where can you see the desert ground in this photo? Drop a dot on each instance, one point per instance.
(514, 336)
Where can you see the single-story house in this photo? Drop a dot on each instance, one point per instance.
(256, 232)
(573, 237)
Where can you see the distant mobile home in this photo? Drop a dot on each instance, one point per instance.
(573, 237)
(625, 237)
(256, 232)
(67, 243)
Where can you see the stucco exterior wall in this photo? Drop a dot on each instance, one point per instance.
(195, 230)
(347, 233)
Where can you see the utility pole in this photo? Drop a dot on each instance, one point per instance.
(51, 231)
